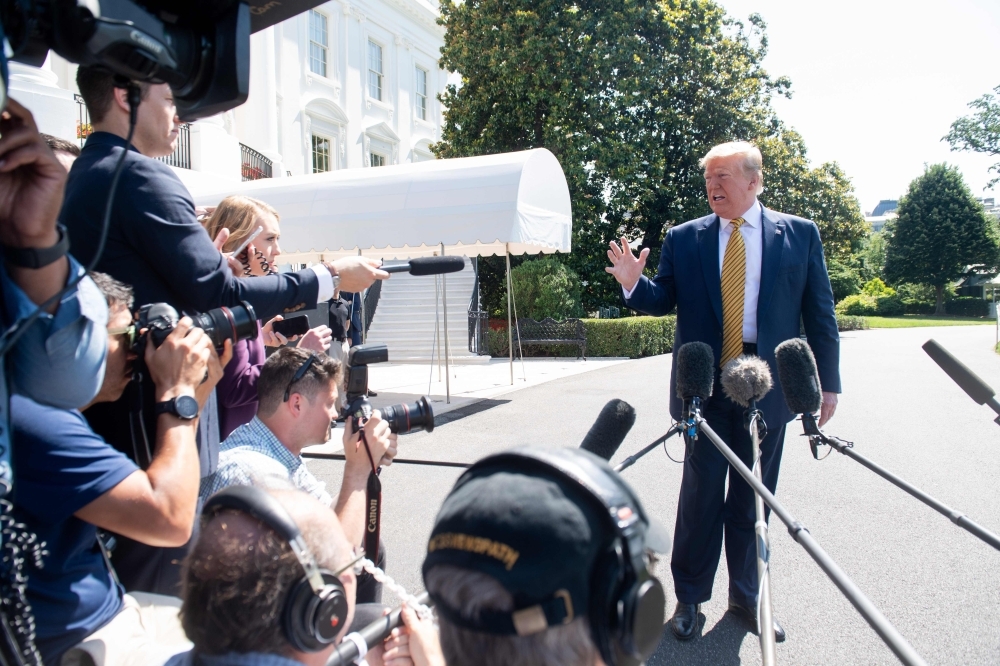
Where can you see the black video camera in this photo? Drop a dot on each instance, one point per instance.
(200, 47)
(221, 324)
(402, 418)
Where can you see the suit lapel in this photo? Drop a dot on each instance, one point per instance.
(774, 242)
(708, 243)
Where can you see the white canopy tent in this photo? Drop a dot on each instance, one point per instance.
(476, 206)
(511, 203)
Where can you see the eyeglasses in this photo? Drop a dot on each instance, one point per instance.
(359, 554)
(129, 332)
(299, 374)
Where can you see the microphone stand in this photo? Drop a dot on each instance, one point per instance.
(350, 649)
(402, 461)
(886, 631)
(765, 616)
(817, 437)
(631, 460)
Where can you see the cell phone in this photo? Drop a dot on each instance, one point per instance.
(292, 326)
(246, 242)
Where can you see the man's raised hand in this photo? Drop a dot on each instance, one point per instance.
(625, 266)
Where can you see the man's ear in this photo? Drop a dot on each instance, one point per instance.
(120, 97)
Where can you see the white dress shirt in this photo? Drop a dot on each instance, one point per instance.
(752, 230)
(325, 291)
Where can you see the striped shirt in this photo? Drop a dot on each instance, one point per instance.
(252, 454)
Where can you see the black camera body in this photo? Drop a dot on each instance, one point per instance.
(401, 418)
(221, 324)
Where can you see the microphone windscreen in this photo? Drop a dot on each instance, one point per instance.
(969, 382)
(799, 376)
(746, 378)
(695, 371)
(436, 265)
(610, 429)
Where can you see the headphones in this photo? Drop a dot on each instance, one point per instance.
(626, 608)
(315, 607)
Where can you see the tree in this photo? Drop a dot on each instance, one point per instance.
(980, 132)
(941, 233)
(627, 95)
(545, 288)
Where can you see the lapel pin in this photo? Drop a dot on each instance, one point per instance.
(777, 232)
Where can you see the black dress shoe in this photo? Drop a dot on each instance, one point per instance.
(750, 615)
(684, 622)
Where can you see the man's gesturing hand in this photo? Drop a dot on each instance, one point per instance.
(625, 266)
(31, 182)
(356, 273)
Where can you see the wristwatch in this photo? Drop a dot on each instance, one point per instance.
(183, 407)
(30, 257)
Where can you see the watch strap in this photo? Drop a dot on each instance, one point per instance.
(169, 407)
(33, 257)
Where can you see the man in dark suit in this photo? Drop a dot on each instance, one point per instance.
(156, 244)
(741, 280)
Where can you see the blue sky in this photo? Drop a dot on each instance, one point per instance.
(877, 83)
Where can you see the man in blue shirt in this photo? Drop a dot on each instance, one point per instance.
(68, 483)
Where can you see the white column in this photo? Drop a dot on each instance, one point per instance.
(37, 88)
(214, 151)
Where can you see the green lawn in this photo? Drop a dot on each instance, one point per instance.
(916, 321)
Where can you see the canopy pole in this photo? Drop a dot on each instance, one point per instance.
(364, 314)
(510, 326)
(437, 324)
(447, 349)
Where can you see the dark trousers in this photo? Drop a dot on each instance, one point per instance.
(706, 511)
(369, 589)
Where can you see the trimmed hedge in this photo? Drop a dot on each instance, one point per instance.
(967, 306)
(632, 337)
(849, 323)
(864, 305)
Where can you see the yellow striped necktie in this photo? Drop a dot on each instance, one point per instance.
(734, 276)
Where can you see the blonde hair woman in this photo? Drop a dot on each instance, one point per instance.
(230, 224)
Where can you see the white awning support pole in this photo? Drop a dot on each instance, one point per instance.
(510, 326)
(447, 349)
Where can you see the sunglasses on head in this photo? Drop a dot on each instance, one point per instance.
(299, 374)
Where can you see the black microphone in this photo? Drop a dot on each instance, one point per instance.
(695, 378)
(376, 632)
(800, 386)
(609, 430)
(745, 380)
(428, 266)
(966, 379)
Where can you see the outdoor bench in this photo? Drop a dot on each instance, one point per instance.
(551, 332)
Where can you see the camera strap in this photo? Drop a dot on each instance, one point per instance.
(373, 495)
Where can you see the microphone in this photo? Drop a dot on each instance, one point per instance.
(609, 430)
(428, 266)
(695, 379)
(350, 649)
(966, 379)
(746, 379)
(800, 386)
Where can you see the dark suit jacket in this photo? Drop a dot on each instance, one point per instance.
(156, 244)
(794, 286)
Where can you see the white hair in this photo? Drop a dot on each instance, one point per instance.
(752, 165)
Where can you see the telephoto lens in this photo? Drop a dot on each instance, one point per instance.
(221, 324)
(406, 418)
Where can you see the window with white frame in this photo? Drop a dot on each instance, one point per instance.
(320, 153)
(377, 160)
(318, 42)
(421, 93)
(375, 71)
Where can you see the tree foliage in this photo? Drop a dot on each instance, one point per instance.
(628, 95)
(545, 288)
(980, 132)
(941, 233)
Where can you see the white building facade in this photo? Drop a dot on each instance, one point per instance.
(349, 84)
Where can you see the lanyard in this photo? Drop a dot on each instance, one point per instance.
(373, 496)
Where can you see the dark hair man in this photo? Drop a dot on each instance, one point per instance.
(236, 585)
(741, 279)
(294, 411)
(65, 151)
(68, 483)
(156, 244)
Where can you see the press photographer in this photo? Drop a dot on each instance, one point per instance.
(69, 483)
(156, 244)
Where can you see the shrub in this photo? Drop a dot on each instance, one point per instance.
(849, 323)
(889, 306)
(844, 280)
(546, 288)
(967, 306)
(632, 337)
(858, 305)
(876, 288)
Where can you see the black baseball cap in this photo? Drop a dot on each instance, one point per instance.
(536, 532)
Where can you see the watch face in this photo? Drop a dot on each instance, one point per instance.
(187, 407)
